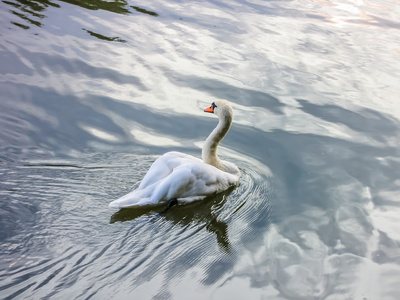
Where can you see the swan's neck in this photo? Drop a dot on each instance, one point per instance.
(209, 153)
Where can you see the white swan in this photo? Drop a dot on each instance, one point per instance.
(185, 178)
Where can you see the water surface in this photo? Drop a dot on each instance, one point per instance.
(92, 92)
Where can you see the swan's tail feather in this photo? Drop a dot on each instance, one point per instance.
(134, 198)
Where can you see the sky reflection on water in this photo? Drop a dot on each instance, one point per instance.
(93, 91)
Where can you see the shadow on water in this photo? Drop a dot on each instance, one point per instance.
(119, 6)
(144, 11)
(33, 12)
(200, 213)
(219, 89)
(30, 11)
(77, 66)
(74, 124)
(366, 121)
(105, 38)
(68, 116)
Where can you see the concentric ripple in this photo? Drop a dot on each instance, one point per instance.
(79, 239)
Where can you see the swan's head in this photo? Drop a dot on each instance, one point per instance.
(221, 108)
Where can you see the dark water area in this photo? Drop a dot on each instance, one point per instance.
(92, 92)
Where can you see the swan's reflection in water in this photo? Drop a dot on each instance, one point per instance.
(204, 213)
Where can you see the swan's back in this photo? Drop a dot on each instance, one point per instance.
(164, 165)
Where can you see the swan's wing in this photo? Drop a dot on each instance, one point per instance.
(137, 197)
(177, 175)
(164, 165)
(194, 180)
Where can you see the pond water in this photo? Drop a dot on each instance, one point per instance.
(92, 92)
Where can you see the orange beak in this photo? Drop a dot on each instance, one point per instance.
(209, 109)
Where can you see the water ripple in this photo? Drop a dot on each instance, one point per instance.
(314, 86)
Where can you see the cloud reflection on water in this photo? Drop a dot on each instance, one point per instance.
(320, 213)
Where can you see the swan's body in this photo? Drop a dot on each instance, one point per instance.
(184, 177)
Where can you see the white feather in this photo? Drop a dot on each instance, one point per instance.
(180, 176)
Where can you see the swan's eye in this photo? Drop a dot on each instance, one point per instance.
(213, 105)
